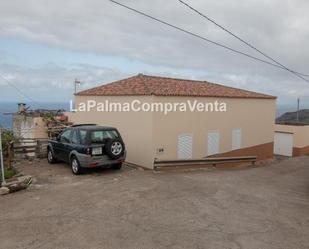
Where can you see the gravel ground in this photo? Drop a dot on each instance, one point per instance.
(261, 207)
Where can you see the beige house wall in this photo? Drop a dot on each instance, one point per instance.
(300, 134)
(145, 132)
(135, 127)
(255, 117)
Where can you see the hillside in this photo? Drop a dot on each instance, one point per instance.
(291, 117)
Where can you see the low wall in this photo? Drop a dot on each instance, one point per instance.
(262, 152)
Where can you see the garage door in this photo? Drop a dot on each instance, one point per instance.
(184, 150)
(283, 144)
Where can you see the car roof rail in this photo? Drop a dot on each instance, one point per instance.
(77, 125)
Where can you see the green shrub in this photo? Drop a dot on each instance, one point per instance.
(8, 173)
(8, 139)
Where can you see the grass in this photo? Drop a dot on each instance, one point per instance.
(8, 173)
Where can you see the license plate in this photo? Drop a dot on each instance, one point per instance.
(97, 151)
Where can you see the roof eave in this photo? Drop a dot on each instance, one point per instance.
(172, 95)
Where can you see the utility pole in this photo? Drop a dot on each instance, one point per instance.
(297, 113)
(1, 159)
(76, 83)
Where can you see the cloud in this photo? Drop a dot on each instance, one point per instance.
(51, 82)
(103, 27)
(278, 27)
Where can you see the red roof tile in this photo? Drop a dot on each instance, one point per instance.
(162, 86)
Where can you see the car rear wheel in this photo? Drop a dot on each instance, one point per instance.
(76, 169)
(50, 157)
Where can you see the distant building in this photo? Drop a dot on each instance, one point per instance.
(28, 124)
(39, 123)
(34, 127)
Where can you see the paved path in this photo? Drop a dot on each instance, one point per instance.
(261, 208)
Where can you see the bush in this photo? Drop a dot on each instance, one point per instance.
(8, 173)
(8, 139)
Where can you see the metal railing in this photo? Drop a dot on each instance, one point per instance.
(160, 164)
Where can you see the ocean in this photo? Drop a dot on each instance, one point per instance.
(10, 107)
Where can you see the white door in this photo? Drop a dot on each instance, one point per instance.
(213, 142)
(184, 150)
(283, 144)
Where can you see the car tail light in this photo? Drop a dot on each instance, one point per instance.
(93, 164)
(88, 151)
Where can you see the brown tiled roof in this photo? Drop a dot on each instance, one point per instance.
(162, 86)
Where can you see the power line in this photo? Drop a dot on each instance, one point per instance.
(242, 40)
(17, 89)
(202, 38)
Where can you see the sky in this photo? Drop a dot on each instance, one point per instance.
(45, 45)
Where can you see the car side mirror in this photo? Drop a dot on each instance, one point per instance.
(58, 138)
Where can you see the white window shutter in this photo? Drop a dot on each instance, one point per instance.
(236, 139)
(184, 150)
(213, 142)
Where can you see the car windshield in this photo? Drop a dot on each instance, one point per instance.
(100, 136)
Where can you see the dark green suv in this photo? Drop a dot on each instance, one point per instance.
(88, 146)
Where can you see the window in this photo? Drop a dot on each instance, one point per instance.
(100, 136)
(65, 136)
(75, 138)
(236, 139)
(83, 136)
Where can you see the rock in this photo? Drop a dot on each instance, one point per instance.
(13, 187)
(4, 190)
(24, 179)
(19, 183)
(10, 182)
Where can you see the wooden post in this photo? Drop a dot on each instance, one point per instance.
(9, 146)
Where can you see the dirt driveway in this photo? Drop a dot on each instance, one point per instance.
(263, 208)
